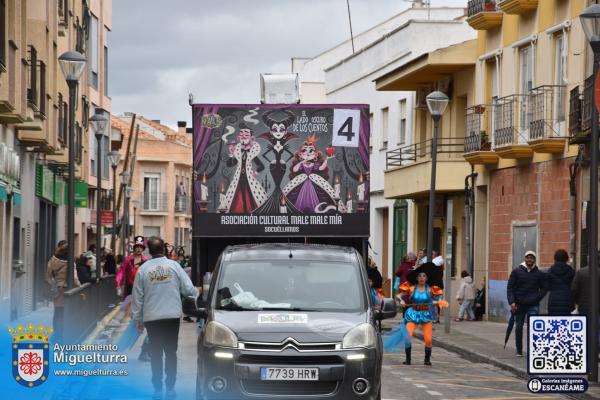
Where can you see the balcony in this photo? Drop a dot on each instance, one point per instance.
(478, 149)
(483, 14)
(412, 164)
(183, 205)
(580, 113)
(547, 122)
(154, 202)
(517, 6)
(510, 116)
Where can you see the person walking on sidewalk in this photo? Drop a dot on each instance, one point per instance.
(465, 297)
(527, 285)
(581, 292)
(419, 297)
(126, 274)
(157, 292)
(480, 302)
(560, 278)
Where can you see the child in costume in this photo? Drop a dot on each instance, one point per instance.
(416, 295)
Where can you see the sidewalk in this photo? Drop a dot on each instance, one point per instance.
(483, 341)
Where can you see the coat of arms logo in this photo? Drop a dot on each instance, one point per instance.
(30, 354)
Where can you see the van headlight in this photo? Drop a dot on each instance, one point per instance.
(361, 336)
(218, 334)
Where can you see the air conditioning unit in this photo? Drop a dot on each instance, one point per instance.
(279, 88)
(422, 92)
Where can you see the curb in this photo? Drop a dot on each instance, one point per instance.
(478, 357)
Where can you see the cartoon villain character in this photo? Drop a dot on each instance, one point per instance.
(308, 188)
(245, 193)
(278, 137)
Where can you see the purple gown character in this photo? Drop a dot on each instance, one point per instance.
(308, 188)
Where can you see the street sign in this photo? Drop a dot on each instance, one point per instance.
(106, 218)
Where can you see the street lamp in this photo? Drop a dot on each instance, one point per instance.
(436, 102)
(113, 158)
(72, 64)
(590, 21)
(99, 122)
(125, 223)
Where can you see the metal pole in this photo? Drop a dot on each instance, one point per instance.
(123, 225)
(114, 209)
(468, 222)
(71, 184)
(593, 235)
(436, 119)
(448, 266)
(98, 206)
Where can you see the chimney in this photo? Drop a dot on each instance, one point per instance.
(181, 127)
(156, 121)
(189, 130)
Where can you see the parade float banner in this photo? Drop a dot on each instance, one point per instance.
(281, 170)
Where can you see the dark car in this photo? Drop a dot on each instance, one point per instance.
(290, 320)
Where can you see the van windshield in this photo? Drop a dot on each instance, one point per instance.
(295, 286)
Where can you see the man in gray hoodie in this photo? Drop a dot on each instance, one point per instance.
(159, 285)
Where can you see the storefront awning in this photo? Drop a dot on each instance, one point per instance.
(430, 68)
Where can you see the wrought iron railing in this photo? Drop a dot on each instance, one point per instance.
(154, 201)
(183, 204)
(477, 6)
(511, 120)
(32, 88)
(588, 103)
(419, 151)
(476, 137)
(575, 112)
(547, 110)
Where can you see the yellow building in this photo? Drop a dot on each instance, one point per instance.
(520, 104)
(161, 174)
(34, 108)
(408, 172)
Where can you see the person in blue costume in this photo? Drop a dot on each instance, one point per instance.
(417, 295)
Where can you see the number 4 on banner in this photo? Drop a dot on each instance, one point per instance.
(346, 128)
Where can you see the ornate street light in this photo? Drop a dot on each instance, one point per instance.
(436, 102)
(99, 122)
(72, 65)
(590, 21)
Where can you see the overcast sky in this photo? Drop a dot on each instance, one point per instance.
(162, 49)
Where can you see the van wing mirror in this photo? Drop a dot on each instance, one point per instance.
(389, 309)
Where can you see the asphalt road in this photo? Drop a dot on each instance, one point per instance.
(450, 377)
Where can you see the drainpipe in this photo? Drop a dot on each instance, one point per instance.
(573, 169)
(470, 219)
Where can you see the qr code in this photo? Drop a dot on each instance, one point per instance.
(557, 345)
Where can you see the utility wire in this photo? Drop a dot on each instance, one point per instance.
(350, 20)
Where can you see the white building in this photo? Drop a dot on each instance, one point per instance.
(340, 76)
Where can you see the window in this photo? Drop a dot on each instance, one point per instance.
(151, 231)
(79, 41)
(105, 75)
(384, 128)
(402, 135)
(3, 32)
(78, 143)
(93, 54)
(42, 105)
(151, 191)
(371, 133)
(93, 152)
(32, 88)
(62, 134)
(526, 83)
(63, 12)
(560, 59)
(65, 120)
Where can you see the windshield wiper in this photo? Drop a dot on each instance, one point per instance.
(287, 309)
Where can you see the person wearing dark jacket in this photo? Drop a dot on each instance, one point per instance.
(560, 277)
(527, 285)
(581, 289)
(373, 274)
(407, 265)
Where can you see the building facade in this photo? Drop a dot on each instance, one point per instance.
(160, 164)
(34, 109)
(340, 75)
(518, 120)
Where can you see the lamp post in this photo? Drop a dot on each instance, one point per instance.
(72, 64)
(114, 157)
(436, 102)
(125, 223)
(590, 21)
(99, 122)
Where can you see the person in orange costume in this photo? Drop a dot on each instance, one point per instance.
(418, 297)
